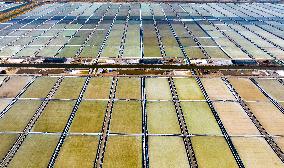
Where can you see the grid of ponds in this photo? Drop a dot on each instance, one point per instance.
(183, 31)
(140, 121)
